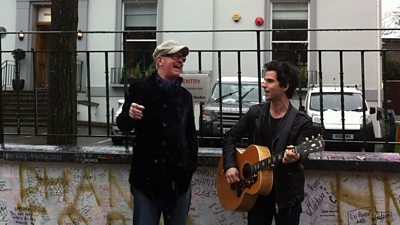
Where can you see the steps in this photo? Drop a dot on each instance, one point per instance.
(26, 106)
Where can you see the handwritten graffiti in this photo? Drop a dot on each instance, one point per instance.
(65, 194)
(351, 199)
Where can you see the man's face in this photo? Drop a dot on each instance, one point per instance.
(271, 85)
(171, 66)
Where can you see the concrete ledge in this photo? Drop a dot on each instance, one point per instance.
(337, 161)
(48, 153)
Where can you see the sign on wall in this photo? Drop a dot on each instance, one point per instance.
(198, 84)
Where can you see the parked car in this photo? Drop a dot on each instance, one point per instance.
(214, 122)
(354, 107)
(117, 136)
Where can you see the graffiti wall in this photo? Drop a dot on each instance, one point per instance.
(64, 193)
(48, 193)
(332, 198)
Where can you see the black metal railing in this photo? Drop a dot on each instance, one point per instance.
(114, 74)
(8, 73)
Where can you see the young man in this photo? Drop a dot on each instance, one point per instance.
(279, 126)
(165, 148)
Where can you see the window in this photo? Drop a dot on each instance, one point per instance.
(290, 45)
(230, 92)
(139, 44)
(352, 101)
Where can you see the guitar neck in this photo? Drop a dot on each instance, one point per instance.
(306, 147)
(267, 163)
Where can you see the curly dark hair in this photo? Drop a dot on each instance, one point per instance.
(286, 74)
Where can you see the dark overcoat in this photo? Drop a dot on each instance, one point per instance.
(165, 148)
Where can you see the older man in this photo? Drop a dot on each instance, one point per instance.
(165, 148)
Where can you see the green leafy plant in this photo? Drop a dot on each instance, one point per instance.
(137, 73)
(303, 76)
(150, 70)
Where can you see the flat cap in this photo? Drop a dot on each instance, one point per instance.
(170, 47)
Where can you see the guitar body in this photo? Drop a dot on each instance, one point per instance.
(261, 184)
(255, 173)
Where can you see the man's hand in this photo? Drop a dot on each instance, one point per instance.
(290, 155)
(136, 111)
(232, 175)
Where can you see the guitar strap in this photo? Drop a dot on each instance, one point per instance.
(283, 135)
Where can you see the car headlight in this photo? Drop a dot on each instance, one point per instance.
(209, 115)
(316, 119)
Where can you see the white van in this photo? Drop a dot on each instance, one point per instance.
(354, 130)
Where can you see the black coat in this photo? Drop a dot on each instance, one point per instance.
(165, 148)
(288, 178)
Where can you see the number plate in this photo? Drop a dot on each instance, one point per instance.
(346, 136)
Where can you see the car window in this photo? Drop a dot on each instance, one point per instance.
(352, 101)
(231, 91)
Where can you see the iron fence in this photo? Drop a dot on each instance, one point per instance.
(114, 74)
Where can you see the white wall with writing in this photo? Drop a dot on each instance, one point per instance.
(74, 193)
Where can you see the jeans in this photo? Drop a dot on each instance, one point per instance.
(265, 210)
(148, 211)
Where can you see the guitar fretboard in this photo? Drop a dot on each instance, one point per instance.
(267, 163)
(308, 146)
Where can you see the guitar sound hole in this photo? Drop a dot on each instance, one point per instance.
(246, 171)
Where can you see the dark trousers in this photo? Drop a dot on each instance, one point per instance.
(265, 210)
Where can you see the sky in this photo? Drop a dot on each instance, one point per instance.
(387, 7)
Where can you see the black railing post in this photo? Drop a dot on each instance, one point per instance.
(35, 94)
(201, 120)
(239, 83)
(341, 77)
(89, 96)
(321, 99)
(200, 66)
(220, 93)
(363, 98)
(17, 94)
(107, 94)
(1, 99)
(259, 64)
(385, 106)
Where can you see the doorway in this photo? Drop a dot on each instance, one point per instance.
(42, 60)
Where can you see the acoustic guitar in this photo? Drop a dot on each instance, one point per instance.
(255, 173)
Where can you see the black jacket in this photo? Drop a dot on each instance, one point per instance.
(288, 178)
(165, 148)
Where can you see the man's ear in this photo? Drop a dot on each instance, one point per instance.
(287, 87)
(159, 61)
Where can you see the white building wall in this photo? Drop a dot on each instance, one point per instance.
(214, 15)
(178, 15)
(102, 17)
(349, 15)
(249, 11)
(8, 21)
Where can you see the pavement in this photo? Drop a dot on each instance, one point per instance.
(26, 135)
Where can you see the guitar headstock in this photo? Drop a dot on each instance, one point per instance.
(309, 145)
